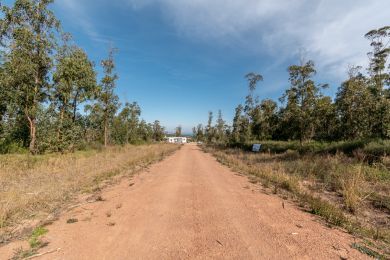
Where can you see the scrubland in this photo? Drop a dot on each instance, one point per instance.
(346, 191)
(34, 187)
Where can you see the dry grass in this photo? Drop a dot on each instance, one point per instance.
(34, 187)
(343, 190)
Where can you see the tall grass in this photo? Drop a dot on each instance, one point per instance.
(343, 190)
(31, 187)
(369, 149)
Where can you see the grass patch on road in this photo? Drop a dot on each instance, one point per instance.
(33, 187)
(343, 190)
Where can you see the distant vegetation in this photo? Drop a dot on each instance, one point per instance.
(330, 156)
(360, 110)
(45, 79)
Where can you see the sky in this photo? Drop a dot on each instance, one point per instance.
(180, 59)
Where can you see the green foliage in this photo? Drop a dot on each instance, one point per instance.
(302, 98)
(365, 250)
(27, 34)
(178, 131)
(108, 101)
(326, 210)
(377, 148)
(198, 133)
(360, 111)
(44, 82)
(9, 146)
(37, 233)
(74, 83)
(158, 131)
(354, 104)
(367, 148)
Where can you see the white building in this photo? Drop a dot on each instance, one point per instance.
(176, 140)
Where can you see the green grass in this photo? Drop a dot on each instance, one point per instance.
(35, 238)
(365, 250)
(35, 243)
(369, 149)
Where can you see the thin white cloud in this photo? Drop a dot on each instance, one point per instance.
(330, 30)
(78, 12)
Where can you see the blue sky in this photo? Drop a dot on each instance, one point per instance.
(181, 58)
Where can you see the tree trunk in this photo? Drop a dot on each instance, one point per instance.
(33, 130)
(105, 134)
(75, 106)
(59, 129)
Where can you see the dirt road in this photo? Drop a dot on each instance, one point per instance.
(189, 206)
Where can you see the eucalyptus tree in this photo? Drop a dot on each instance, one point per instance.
(74, 83)
(134, 112)
(3, 89)
(178, 131)
(251, 108)
(120, 126)
(237, 124)
(158, 131)
(194, 133)
(380, 43)
(145, 131)
(74, 79)
(327, 123)
(302, 98)
(220, 128)
(269, 119)
(210, 131)
(107, 100)
(380, 80)
(253, 80)
(199, 133)
(354, 103)
(28, 37)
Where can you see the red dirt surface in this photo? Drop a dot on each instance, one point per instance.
(191, 207)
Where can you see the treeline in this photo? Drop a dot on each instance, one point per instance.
(360, 110)
(46, 79)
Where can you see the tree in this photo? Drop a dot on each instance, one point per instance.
(134, 112)
(178, 131)
(380, 40)
(3, 90)
(237, 124)
(198, 133)
(74, 83)
(220, 129)
(269, 119)
(210, 131)
(127, 123)
(74, 78)
(108, 101)
(301, 98)
(145, 131)
(251, 108)
(354, 103)
(27, 34)
(326, 120)
(158, 131)
(380, 79)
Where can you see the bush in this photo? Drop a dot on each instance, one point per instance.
(378, 148)
(8, 146)
(370, 149)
